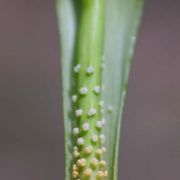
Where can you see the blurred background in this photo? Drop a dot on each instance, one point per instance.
(31, 128)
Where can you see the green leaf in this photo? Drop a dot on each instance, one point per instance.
(122, 19)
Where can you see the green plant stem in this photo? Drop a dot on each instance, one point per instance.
(89, 54)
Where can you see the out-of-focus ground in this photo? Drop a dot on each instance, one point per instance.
(31, 130)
